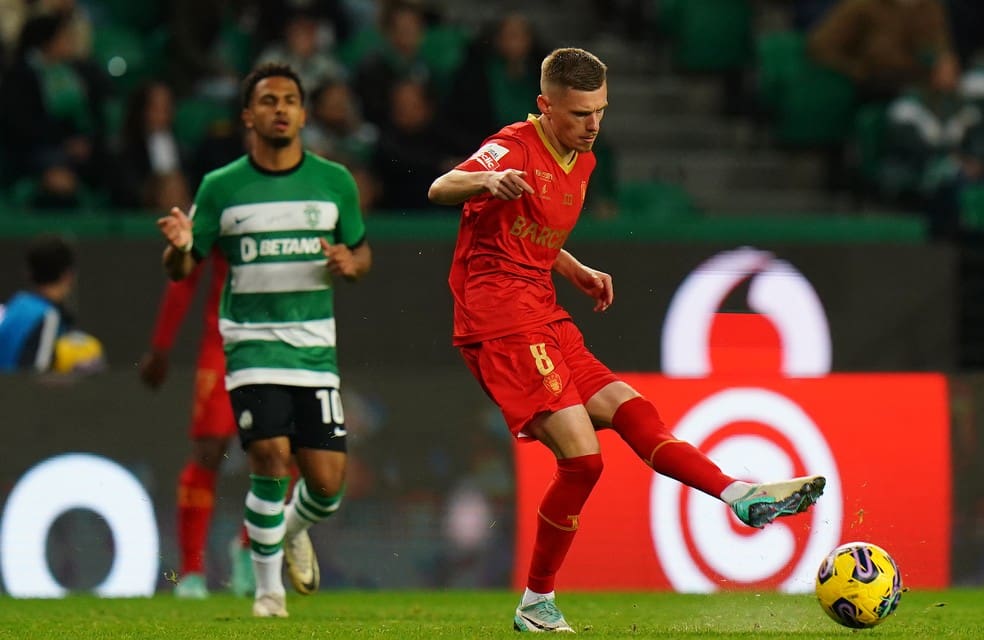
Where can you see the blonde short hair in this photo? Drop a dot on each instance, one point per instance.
(572, 68)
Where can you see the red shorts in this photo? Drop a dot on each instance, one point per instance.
(212, 413)
(539, 371)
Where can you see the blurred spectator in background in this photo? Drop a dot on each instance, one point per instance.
(150, 169)
(95, 77)
(12, 16)
(49, 121)
(807, 13)
(336, 130)
(209, 49)
(14, 13)
(302, 48)
(361, 14)
(399, 58)
(36, 330)
(478, 513)
(79, 19)
(623, 17)
(884, 46)
(500, 76)
(225, 140)
(967, 26)
(929, 149)
(413, 149)
(334, 17)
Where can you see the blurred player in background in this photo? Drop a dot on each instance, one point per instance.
(37, 332)
(289, 223)
(523, 191)
(212, 428)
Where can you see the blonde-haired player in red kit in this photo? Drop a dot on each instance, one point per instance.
(522, 192)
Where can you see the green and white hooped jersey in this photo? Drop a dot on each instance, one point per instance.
(277, 311)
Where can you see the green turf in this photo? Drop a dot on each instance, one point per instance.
(411, 615)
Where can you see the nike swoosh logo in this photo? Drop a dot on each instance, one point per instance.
(533, 622)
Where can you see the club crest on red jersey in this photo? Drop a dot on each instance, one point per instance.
(553, 383)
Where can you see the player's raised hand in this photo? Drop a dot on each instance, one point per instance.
(176, 227)
(341, 260)
(592, 282)
(508, 184)
(596, 284)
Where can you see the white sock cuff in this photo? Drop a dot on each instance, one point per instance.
(529, 597)
(736, 490)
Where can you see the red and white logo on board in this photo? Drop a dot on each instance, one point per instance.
(754, 393)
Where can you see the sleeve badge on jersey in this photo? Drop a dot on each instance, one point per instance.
(489, 155)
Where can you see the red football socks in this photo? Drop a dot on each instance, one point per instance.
(196, 500)
(639, 424)
(558, 517)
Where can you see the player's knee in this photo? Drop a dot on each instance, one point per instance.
(269, 458)
(638, 411)
(325, 487)
(585, 470)
(595, 465)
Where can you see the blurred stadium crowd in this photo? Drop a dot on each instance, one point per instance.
(116, 104)
(112, 104)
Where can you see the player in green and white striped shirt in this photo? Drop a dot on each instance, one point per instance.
(287, 221)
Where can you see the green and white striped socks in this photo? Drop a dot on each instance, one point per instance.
(265, 526)
(307, 508)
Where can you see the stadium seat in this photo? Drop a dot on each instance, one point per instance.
(443, 49)
(194, 116)
(114, 109)
(708, 35)
(140, 16)
(867, 140)
(155, 46)
(22, 192)
(813, 106)
(972, 208)
(780, 60)
(353, 51)
(654, 200)
(236, 47)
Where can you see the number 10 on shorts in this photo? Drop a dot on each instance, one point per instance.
(331, 409)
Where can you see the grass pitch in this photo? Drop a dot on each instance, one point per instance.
(412, 615)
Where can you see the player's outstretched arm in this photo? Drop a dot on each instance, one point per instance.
(176, 229)
(592, 282)
(456, 186)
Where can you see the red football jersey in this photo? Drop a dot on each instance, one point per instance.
(501, 274)
(176, 301)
